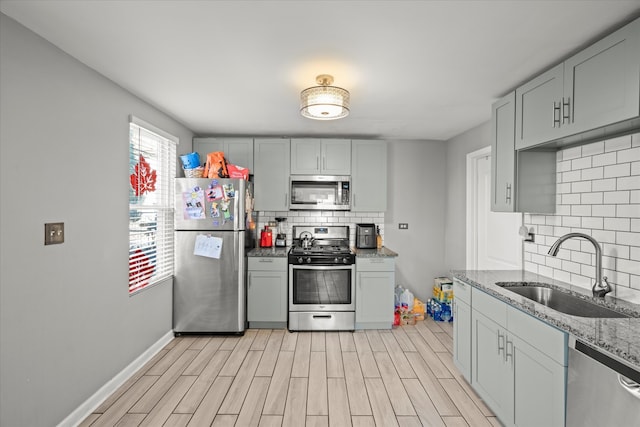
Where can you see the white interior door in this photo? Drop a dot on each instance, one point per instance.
(493, 241)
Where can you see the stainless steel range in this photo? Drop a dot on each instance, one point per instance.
(321, 279)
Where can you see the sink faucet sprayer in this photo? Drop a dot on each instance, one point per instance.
(599, 289)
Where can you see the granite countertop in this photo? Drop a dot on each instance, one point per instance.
(383, 252)
(268, 252)
(619, 337)
(282, 252)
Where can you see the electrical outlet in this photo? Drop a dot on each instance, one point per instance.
(403, 226)
(53, 233)
(273, 224)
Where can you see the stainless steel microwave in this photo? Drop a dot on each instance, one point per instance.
(320, 192)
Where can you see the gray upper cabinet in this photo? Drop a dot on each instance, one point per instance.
(503, 154)
(368, 176)
(238, 151)
(271, 174)
(311, 156)
(596, 88)
(521, 181)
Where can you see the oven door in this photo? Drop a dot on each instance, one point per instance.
(322, 288)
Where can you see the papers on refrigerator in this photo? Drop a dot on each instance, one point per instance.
(208, 246)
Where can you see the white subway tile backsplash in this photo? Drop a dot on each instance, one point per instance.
(582, 163)
(630, 211)
(628, 183)
(603, 210)
(593, 148)
(581, 187)
(629, 266)
(581, 210)
(627, 238)
(619, 143)
(572, 176)
(630, 155)
(593, 222)
(604, 159)
(608, 184)
(591, 198)
(617, 170)
(598, 187)
(618, 224)
(616, 197)
(572, 153)
(593, 173)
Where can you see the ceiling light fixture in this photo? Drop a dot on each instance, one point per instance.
(324, 102)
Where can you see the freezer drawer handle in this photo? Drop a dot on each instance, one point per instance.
(629, 385)
(322, 316)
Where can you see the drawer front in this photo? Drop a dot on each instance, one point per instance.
(489, 306)
(267, 263)
(544, 337)
(461, 291)
(375, 264)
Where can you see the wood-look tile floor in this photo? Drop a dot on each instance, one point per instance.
(399, 377)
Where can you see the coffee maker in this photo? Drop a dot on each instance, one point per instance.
(281, 237)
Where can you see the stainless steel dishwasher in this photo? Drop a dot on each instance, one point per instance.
(601, 390)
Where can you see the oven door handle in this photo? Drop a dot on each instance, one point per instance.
(323, 267)
(322, 316)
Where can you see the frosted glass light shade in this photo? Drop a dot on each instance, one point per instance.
(324, 102)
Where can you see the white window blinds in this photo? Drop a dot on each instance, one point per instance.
(152, 166)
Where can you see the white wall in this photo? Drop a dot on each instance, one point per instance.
(417, 195)
(455, 222)
(67, 324)
(598, 193)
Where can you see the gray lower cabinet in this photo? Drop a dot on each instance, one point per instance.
(518, 363)
(462, 328)
(375, 280)
(267, 292)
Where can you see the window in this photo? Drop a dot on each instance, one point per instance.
(152, 166)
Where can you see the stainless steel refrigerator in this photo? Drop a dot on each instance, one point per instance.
(209, 286)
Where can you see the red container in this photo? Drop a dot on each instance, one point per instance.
(266, 237)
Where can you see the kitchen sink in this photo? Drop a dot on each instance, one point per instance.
(563, 302)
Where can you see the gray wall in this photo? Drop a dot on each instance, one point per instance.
(455, 223)
(67, 324)
(417, 195)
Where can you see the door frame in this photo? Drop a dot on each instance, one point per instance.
(472, 198)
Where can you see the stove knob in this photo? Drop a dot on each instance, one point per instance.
(299, 260)
(336, 260)
(345, 260)
(308, 260)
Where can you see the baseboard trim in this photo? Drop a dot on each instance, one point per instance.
(86, 408)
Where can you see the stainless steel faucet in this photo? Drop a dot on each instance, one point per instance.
(599, 289)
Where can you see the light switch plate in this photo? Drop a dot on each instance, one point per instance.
(53, 233)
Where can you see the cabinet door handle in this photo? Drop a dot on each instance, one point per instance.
(353, 196)
(508, 194)
(285, 198)
(566, 110)
(556, 114)
(317, 163)
(500, 346)
(508, 354)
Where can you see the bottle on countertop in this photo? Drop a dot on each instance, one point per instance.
(378, 238)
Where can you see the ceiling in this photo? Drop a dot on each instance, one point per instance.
(415, 69)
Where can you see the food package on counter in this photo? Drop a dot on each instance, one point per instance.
(237, 172)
